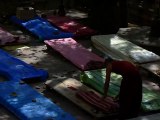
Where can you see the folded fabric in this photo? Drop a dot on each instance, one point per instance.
(28, 104)
(41, 28)
(121, 48)
(70, 25)
(16, 70)
(96, 79)
(6, 38)
(76, 53)
(106, 105)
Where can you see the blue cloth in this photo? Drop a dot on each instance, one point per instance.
(41, 28)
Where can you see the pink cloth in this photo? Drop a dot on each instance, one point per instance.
(106, 105)
(76, 53)
(69, 25)
(7, 38)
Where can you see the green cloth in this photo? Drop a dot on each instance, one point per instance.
(96, 80)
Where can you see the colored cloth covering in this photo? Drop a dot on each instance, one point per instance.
(28, 104)
(105, 105)
(16, 70)
(96, 78)
(41, 28)
(6, 38)
(69, 25)
(76, 53)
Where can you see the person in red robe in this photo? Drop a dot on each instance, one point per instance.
(130, 94)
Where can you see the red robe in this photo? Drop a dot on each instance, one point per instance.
(130, 95)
